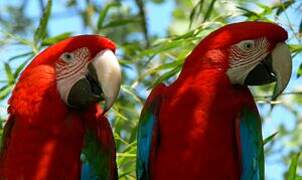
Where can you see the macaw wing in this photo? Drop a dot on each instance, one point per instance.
(148, 132)
(251, 145)
(99, 152)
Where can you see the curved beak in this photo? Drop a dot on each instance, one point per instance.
(282, 67)
(106, 69)
(277, 66)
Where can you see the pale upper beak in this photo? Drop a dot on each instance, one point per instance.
(282, 67)
(108, 75)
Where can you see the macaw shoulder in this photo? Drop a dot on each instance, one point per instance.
(157, 91)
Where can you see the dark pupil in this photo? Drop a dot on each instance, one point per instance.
(67, 56)
(248, 45)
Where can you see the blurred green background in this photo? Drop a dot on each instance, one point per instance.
(153, 39)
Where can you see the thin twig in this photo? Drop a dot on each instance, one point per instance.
(42, 6)
(283, 94)
(142, 13)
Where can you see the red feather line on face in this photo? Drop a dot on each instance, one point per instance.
(68, 73)
(79, 62)
(240, 57)
(240, 54)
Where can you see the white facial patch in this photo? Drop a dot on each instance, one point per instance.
(71, 68)
(244, 57)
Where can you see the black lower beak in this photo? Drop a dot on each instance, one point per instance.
(262, 73)
(94, 84)
(86, 91)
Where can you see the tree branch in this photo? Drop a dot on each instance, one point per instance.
(42, 6)
(141, 7)
(283, 94)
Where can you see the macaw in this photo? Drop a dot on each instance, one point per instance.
(54, 113)
(205, 125)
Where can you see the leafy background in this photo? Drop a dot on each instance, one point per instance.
(153, 38)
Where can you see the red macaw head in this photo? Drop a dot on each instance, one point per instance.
(250, 53)
(86, 70)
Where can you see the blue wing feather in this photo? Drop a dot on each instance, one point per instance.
(87, 173)
(148, 133)
(252, 156)
(144, 144)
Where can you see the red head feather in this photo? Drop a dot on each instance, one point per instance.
(37, 83)
(231, 34)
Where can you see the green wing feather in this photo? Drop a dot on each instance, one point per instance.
(99, 152)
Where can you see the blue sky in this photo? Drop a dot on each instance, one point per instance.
(159, 17)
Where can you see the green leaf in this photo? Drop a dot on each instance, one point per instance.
(104, 12)
(188, 35)
(9, 74)
(131, 92)
(164, 47)
(293, 167)
(20, 68)
(209, 11)
(249, 13)
(299, 71)
(121, 22)
(20, 56)
(194, 11)
(132, 155)
(166, 66)
(40, 33)
(166, 76)
(192, 16)
(55, 39)
(158, 1)
(119, 115)
(282, 6)
(269, 138)
(298, 177)
(17, 38)
(4, 91)
(71, 3)
(300, 28)
(295, 48)
(267, 10)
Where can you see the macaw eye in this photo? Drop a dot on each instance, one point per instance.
(67, 57)
(246, 45)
